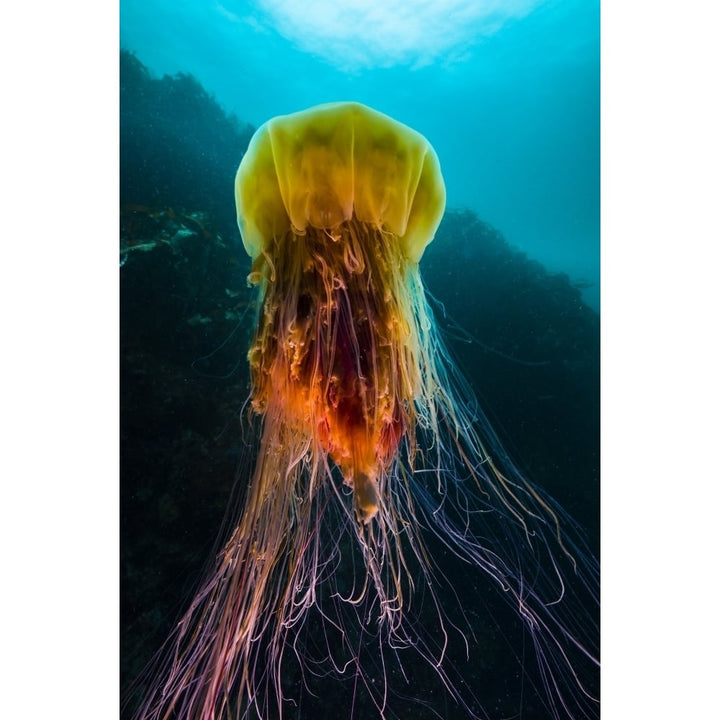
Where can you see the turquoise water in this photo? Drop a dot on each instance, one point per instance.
(508, 93)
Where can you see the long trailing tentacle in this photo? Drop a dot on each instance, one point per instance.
(371, 448)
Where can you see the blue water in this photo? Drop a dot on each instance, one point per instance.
(509, 98)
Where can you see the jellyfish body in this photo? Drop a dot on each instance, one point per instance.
(364, 440)
(336, 206)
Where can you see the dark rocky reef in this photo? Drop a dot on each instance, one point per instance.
(178, 148)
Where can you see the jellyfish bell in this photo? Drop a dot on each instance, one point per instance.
(336, 205)
(327, 165)
(368, 442)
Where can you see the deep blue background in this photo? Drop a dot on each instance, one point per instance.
(510, 101)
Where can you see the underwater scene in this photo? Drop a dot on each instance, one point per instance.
(359, 392)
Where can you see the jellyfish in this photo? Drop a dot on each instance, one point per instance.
(371, 453)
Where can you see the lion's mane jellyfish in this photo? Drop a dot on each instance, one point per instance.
(370, 448)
